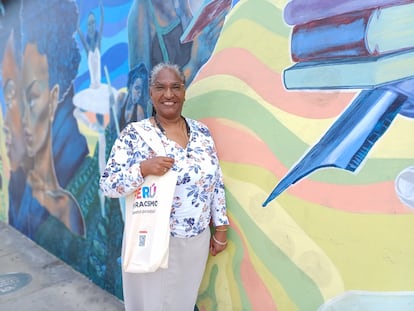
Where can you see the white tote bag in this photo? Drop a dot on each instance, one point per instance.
(147, 224)
(147, 217)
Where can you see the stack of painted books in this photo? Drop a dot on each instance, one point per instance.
(350, 43)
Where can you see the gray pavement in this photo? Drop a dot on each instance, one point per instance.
(33, 279)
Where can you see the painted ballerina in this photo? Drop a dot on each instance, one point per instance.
(94, 100)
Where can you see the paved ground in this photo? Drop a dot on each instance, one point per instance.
(33, 279)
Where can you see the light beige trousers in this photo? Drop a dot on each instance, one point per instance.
(174, 288)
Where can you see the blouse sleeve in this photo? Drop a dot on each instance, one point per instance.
(218, 206)
(122, 174)
(218, 209)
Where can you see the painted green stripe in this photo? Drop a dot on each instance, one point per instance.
(262, 13)
(236, 267)
(283, 143)
(210, 293)
(299, 287)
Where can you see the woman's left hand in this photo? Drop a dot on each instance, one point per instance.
(218, 242)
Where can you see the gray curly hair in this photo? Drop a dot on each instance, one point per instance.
(173, 67)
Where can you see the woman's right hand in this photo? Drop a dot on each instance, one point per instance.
(157, 166)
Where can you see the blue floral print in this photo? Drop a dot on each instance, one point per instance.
(199, 197)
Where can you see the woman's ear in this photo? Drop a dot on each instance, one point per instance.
(54, 100)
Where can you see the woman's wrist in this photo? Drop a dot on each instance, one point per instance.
(222, 242)
(221, 228)
(220, 235)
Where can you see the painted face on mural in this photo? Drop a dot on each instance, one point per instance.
(136, 90)
(13, 128)
(91, 25)
(168, 94)
(39, 103)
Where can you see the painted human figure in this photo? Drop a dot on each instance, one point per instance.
(133, 105)
(40, 101)
(157, 29)
(34, 190)
(23, 217)
(87, 101)
(13, 129)
(96, 99)
(92, 46)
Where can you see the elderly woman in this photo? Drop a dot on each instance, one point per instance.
(199, 198)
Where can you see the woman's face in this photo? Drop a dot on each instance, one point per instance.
(136, 90)
(38, 101)
(168, 94)
(13, 128)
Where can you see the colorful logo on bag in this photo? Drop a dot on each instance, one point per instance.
(146, 192)
(145, 200)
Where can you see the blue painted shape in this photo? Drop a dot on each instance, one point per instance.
(405, 87)
(346, 144)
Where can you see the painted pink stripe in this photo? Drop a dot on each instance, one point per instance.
(376, 198)
(268, 84)
(258, 294)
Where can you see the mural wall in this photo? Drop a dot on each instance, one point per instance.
(311, 107)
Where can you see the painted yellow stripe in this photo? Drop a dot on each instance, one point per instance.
(276, 290)
(244, 34)
(373, 251)
(280, 228)
(396, 143)
(225, 287)
(296, 124)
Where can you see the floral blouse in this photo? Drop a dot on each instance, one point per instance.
(199, 196)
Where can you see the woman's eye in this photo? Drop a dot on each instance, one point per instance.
(32, 103)
(34, 93)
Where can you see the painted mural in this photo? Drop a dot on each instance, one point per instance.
(311, 107)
